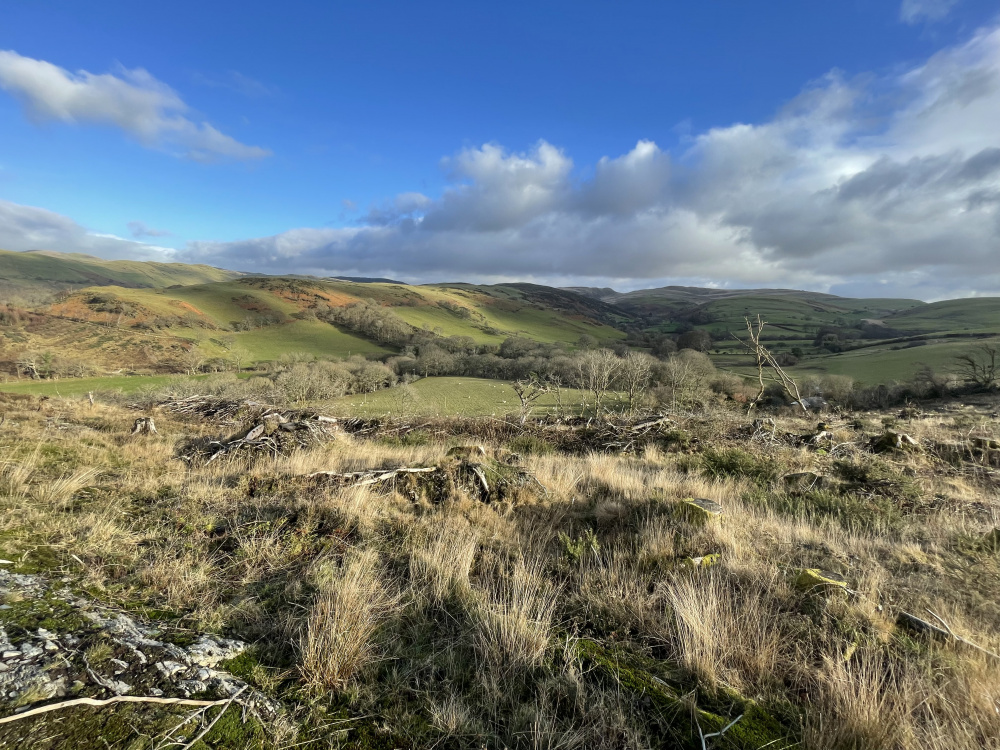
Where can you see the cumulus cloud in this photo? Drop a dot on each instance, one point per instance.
(30, 228)
(878, 185)
(888, 183)
(135, 101)
(140, 229)
(915, 11)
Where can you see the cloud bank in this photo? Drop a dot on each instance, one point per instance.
(877, 186)
(29, 228)
(148, 110)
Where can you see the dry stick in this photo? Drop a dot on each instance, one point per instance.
(966, 641)
(108, 702)
(714, 734)
(211, 724)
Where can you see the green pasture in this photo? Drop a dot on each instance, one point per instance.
(69, 387)
(308, 336)
(973, 315)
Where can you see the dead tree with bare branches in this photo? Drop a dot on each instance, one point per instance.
(768, 368)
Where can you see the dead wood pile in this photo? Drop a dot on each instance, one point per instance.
(264, 429)
(485, 479)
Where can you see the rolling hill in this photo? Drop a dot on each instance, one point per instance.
(153, 316)
(32, 276)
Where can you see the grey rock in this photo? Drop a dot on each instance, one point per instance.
(170, 668)
(30, 650)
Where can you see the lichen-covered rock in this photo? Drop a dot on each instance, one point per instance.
(700, 510)
(38, 663)
(810, 579)
(893, 441)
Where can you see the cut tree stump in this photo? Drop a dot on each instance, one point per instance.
(144, 426)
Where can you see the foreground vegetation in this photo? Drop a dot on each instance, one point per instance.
(589, 606)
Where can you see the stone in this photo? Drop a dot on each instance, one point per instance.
(11, 654)
(813, 578)
(169, 668)
(700, 510)
(121, 666)
(804, 480)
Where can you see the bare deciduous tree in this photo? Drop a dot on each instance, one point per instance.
(635, 372)
(767, 367)
(528, 391)
(597, 370)
(980, 366)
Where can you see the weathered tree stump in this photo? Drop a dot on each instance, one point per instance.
(144, 426)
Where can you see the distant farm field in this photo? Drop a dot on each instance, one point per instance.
(80, 386)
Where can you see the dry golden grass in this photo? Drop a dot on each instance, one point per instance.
(513, 615)
(468, 614)
(351, 603)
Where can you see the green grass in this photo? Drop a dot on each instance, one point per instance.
(450, 396)
(80, 386)
(871, 365)
(310, 336)
(27, 275)
(884, 364)
(975, 315)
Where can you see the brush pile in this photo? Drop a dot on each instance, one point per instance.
(264, 429)
(474, 473)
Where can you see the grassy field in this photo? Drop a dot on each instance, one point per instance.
(309, 336)
(71, 387)
(556, 598)
(974, 315)
(452, 396)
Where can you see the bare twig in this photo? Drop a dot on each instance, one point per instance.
(108, 702)
(959, 638)
(714, 734)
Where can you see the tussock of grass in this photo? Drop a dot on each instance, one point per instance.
(351, 603)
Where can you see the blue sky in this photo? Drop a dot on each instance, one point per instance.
(846, 146)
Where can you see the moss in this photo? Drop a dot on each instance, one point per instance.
(53, 614)
(29, 558)
(757, 727)
(128, 727)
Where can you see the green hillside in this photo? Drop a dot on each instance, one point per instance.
(972, 315)
(31, 276)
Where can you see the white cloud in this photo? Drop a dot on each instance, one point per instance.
(30, 228)
(915, 11)
(891, 182)
(145, 108)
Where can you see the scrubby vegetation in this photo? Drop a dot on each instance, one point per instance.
(551, 592)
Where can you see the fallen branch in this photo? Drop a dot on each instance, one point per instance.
(715, 734)
(108, 701)
(363, 478)
(960, 639)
